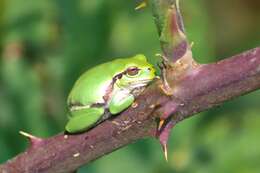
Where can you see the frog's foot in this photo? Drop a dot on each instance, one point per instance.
(141, 5)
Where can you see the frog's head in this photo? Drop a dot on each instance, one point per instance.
(137, 73)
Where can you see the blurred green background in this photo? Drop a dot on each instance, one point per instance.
(46, 44)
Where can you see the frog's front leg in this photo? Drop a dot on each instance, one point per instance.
(81, 120)
(120, 101)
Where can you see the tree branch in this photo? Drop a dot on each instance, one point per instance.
(207, 86)
(194, 89)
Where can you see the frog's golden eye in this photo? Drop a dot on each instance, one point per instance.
(132, 71)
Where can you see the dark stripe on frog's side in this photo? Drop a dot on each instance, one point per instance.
(110, 88)
(107, 96)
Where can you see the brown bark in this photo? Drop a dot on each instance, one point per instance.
(193, 88)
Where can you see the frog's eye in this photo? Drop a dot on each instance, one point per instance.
(132, 71)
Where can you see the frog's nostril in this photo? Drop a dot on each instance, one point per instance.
(149, 69)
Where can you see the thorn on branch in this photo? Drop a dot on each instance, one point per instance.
(163, 137)
(34, 141)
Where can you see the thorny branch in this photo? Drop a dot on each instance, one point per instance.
(190, 88)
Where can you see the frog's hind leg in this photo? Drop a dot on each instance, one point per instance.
(84, 119)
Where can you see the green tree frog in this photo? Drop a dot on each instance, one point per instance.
(106, 90)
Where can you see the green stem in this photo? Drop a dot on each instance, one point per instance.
(170, 27)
